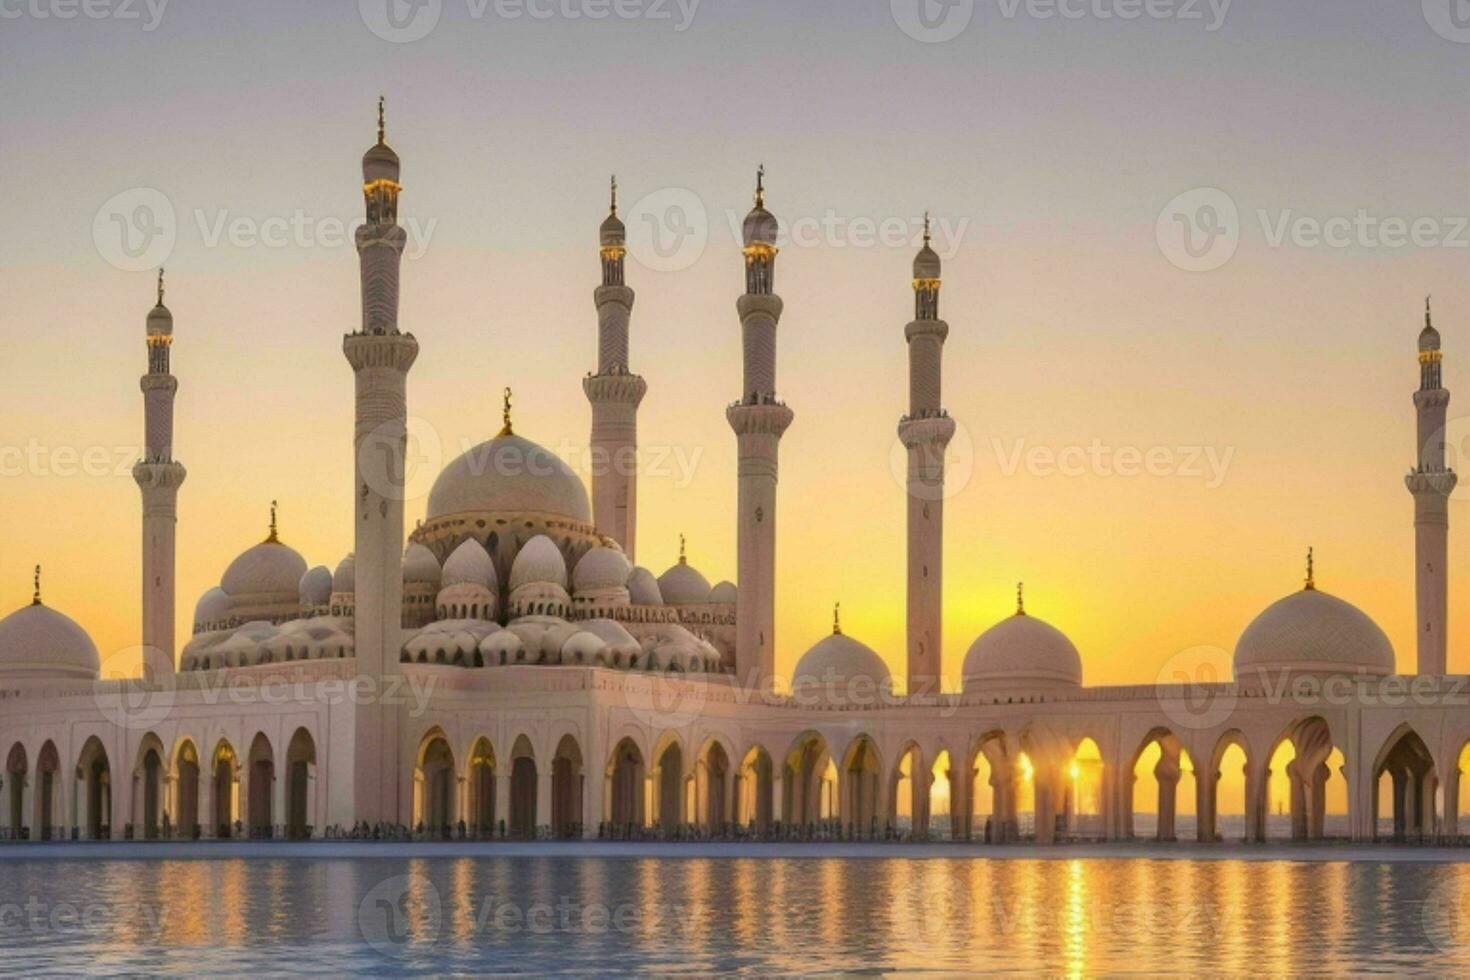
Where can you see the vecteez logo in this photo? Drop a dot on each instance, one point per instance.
(1450, 19)
(401, 21)
(932, 21)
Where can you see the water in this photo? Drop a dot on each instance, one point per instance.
(536, 914)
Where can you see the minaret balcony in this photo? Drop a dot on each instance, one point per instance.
(380, 350)
(617, 389)
(765, 418)
(159, 474)
(932, 430)
(1432, 482)
(926, 328)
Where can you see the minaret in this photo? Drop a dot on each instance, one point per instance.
(615, 394)
(159, 478)
(380, 357)
(759, 420)
(1431, 482)
(925, 432)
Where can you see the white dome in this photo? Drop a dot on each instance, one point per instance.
(1313, 631)
(839, 660)
(599, 569)
(1022, 652)
(612, 633)
(539, 560)
(212, 606)
(682, 585)
(470, 564)
(269, 568)
(37, 641)
(344, 579)
(509, 474)
(420, 565)
(643, 588)
(315, 588)
(725, 594)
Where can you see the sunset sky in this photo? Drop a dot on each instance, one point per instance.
(1274, 391)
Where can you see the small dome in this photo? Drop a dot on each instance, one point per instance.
(344, 579)
(315, 588)
(725, 594)
(380, 163)
(420, 565)
(643, 588)
(539, 560)
(839, 660)
(612, 234)
(160, 322)
(682, 585)
(509, 474)
(1313, 631)
(269, 568)
(926, 263)
(37, 641)
(470, 564)
(761, 227)
(212, 607)
(1428, 340)
(1022, 652)
(599, 569)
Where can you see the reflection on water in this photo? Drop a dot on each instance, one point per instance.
(431, 915)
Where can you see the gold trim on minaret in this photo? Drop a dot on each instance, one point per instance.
(1020, 598)
(506, 429)
(837, 619)
(273, 538)
(683, 550)
(1311, 570)
(36, 582)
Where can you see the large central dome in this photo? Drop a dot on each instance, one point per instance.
(509, 474)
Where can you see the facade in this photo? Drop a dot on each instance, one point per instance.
(506, 670)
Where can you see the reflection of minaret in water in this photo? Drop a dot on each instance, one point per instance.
(925, 433)
(380, 357)
(615, 394)
(159, 477)
(759, 419)
(1431, 482)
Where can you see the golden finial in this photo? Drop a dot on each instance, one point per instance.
(272, 538)
(760, 186)
(837, 619)
(614, 208)
(1428, 312)
(36, 581)
(683, 552)
(926, 229)
(381, 128)
(1311, 570)
(506, 430)
(1020, 598)
(160, 285)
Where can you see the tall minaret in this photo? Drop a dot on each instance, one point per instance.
(615, 394)
(925, 432)
(380, 357)
(1431, 483)
(759, 420)
(159, 478)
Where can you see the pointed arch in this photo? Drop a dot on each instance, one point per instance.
(566, 788)
(434, 784)
(623, 794)
(95, 774)
(186, 788)
(480, 779)
(260, 790)
(225, 766)
(524, 780)
(17, 778)
(47, 815)
(150, 808)
(301, 786)
(1405, 777)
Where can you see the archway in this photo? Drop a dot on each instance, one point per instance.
(149, 807)
(1084, 800)
(942, 798)
(754, 791)
(1025, 797)
(480, 784)
(48, 790)
(566, 789)
(861, 803)
(300, 785)
(261, 790)
(996, 790)
(1300, 786)
(15, 789)
(186, 790)
(711, 779)
(1163, 789)
(523, 789)
(95, 775)
(982, 799)
(624, 788)
(669, 783)
(434, 779)
(806, 771)
(1228, 793)
(226, 781)
(909, 793)
(1406, 784)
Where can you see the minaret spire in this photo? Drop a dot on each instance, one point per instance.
(925, 431)
(683, 550)
(381, 357)
(1311, 585)
(837, 619)
(1431, 482)
(614, 391)
(759, 420)
(36, 595)
(1020, 598)
(506, 429)
(272, 537)
(159, 477)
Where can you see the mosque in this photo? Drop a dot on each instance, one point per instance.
(507, 669)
